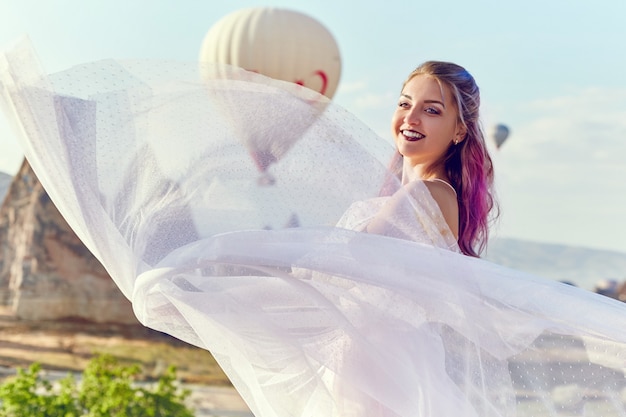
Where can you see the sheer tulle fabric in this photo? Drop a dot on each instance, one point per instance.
(234, 212)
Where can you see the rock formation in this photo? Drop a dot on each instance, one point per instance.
(46, 272)
(5, 181)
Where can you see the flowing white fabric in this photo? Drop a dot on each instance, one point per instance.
(243, 215)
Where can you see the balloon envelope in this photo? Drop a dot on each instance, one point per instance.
(281, 44)
(500, 134)
(267, 116)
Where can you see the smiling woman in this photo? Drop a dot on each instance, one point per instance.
(438, 137)
(305, 315)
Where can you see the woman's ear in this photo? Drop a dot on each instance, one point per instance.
(461, 132)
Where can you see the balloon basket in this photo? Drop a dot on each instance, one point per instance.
(266, 180)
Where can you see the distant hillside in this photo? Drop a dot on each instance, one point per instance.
(5, 181)
(582, 266)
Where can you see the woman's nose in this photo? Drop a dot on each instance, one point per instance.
(412, 116)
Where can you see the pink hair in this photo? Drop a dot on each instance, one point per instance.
(468, 164)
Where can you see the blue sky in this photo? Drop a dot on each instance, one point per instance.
(553, 71)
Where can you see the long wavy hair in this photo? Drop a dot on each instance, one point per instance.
(467, 164)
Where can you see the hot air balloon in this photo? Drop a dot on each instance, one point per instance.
(500, 134)
(282, 44)
(279, 43)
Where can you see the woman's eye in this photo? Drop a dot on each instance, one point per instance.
(403, 104)
(432, 110)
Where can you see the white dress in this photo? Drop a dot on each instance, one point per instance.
(212, 198)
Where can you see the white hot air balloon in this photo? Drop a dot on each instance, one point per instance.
(282, 44)
(279, 43)
(500, 134)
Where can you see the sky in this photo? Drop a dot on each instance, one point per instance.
(551, 70)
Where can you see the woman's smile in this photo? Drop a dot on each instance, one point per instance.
(412, 135)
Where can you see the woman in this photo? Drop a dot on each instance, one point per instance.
(439, 141)
(445, 98)
(150, 167)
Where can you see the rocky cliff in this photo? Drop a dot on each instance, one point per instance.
(45, 270)
(5, 181)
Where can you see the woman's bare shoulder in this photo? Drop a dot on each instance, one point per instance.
(446, 198)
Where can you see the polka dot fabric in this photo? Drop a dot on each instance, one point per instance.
(232, 210)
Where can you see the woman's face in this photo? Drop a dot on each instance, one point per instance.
(425, 123)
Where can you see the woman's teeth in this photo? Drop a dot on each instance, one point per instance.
(410, 134)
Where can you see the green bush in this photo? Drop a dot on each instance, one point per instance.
(106, 390)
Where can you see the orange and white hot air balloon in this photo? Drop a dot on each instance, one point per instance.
(284, 45)
(279, 43)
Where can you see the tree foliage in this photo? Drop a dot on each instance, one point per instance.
(107, 389)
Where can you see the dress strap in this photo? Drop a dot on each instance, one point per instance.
(445, 182)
